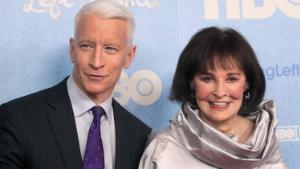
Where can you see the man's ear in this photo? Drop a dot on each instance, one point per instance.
(130, 56)
(72, 50)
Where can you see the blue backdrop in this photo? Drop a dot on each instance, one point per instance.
(34, 43)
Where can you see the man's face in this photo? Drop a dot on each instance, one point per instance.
(99, 52)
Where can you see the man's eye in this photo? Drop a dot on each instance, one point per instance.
(111, 50)
(86, 46)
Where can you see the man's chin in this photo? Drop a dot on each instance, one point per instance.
(95, 92)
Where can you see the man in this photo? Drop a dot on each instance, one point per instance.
(51, 129)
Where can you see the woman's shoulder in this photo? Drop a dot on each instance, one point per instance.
(163, 151)
(162, 136)
(162, 139)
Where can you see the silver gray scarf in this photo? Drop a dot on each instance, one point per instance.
(217, 149)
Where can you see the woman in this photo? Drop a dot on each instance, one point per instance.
(223, 122)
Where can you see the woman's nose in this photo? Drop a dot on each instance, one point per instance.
(220, 90)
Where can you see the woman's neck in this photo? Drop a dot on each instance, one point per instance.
(238, 127)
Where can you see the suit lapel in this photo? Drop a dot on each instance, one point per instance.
(131, 136)
(121, 139)
(62, 121)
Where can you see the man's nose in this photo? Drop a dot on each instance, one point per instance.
(97, 60)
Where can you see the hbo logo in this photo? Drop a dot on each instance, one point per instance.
(286, 134)
(143, 87)
(248, 9)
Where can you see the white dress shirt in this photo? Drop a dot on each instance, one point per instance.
(81, 105)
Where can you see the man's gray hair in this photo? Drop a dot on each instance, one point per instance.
(108, 9)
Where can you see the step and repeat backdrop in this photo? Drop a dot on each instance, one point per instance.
(34, 45)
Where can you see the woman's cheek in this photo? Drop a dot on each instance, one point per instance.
(237, 92)
(202, 92)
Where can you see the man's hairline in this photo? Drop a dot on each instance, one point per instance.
(129, 33)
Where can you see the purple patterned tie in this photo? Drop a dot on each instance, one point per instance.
(94, 156)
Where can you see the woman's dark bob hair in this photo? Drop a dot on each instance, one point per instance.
(214, 47)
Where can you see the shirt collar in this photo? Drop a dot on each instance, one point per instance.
(81, 103)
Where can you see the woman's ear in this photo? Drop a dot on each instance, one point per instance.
(246, 86)
(192, 85)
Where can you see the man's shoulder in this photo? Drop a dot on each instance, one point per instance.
(126, 116)
(32, 99)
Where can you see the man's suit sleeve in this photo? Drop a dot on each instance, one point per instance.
(11, 153)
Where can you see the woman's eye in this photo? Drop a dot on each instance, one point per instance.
(232, 79)
(206, 78)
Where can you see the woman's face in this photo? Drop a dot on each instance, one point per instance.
(219, 94)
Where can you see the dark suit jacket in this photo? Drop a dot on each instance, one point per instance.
(38, 131)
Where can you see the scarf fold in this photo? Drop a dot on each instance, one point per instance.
(217, 149)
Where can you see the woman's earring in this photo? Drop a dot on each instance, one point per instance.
(247, 95)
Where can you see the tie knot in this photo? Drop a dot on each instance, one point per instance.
(98, 111)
